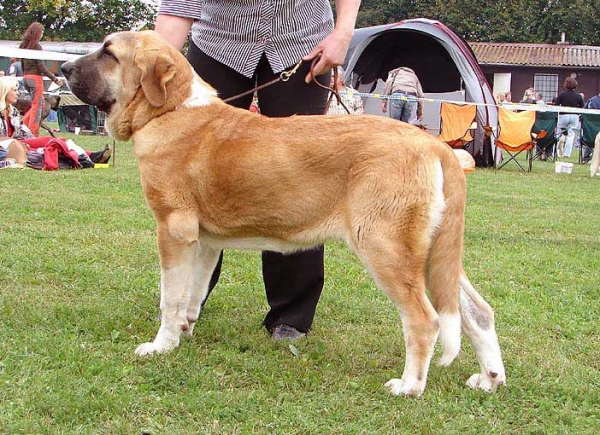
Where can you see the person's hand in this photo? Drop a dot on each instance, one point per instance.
(59, 82)
(384, 106)
(420, 117)
(330, 53)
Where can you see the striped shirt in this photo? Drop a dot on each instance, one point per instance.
(238, 32)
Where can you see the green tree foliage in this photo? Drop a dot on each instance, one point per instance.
(541, 21)
(64, 20)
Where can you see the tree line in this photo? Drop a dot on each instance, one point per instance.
(78, 21)
(535, 21)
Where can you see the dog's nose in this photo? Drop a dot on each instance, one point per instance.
(67, 69)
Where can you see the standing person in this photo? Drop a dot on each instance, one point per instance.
(568, 122)
(236, 45)
(539, 99)
(33, 70)
(349, 99)
(528, 96)
(403, 82)
(593, 103)
(15, 69)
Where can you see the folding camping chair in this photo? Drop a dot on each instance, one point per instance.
(545, 128)
(515, 136)
(457, 122)
(590, 127)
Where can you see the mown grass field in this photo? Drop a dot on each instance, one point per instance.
(79, 280)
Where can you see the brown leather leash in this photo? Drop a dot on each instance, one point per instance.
(285, 76)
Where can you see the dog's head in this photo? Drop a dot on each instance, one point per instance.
(23, 104)
(53, 101)
(134, 77)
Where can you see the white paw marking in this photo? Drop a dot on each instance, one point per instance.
(399, 386)
(445, 361)
(486, 383)
(148, 349)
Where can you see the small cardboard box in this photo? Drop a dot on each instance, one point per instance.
(563, 168)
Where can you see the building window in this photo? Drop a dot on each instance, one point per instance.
(547, 85)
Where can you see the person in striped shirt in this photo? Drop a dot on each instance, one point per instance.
(237, 45)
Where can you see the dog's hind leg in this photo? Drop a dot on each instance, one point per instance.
(206, 261)
(178, 249)
(478, 324)
(400, 274)
(442, 281)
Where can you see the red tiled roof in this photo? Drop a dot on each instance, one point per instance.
(548, 55)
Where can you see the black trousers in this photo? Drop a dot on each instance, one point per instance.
(293, 282)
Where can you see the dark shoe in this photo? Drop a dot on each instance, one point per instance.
(106, 153)
(101, 156)
(286, 332)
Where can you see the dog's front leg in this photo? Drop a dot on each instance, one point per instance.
(206, 261)
(178, 250)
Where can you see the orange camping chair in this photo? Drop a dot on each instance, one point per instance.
(457, 121)
(515, 136)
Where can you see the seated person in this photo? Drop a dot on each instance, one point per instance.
(12, 129)
(16, 138)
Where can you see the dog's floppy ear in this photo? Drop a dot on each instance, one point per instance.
(157, 70)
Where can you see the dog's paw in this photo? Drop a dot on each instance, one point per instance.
(400, 387)
(446, 360)
(148, 349)
(486, 382)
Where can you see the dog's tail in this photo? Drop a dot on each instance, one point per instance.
(444, 269)
(595, 163)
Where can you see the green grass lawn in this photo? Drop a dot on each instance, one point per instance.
(79, 281)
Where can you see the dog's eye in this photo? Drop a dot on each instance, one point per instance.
(107, 53)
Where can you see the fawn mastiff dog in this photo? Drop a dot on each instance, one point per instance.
(217, 177)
